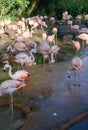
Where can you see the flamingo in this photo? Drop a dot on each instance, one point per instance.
(83, 36)
(20, 46)
(8, 87)
(54, 30)
(76, 45)
(18, 75)
(44, 36)
(74, 27)
(54, 52)
(76, 65)
(42, 48)
(23, 58)
(83, 30)
(51, 38)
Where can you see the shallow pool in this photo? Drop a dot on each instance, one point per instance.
(9, 122)
(82, 125)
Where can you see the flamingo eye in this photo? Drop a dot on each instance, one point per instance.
(23, 58)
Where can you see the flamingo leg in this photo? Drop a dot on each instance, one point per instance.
(22, 91)
(76, 73)
(56, 39)
(11, 104)
(52, 58)
(83, 43)
(44, 62)
(55, 57)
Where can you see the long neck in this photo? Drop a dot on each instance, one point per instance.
(35, 45)
(12, 49)
(32, 56)
(10, 71)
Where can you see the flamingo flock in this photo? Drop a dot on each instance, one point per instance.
(47, 47)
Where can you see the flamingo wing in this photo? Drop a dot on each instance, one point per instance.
(10, 86)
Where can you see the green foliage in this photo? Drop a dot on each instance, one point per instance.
(13, 8)
(74, 7)
(57, 7)
(25, 8)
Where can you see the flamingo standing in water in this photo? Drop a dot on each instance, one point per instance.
(54, 52)
(83, 37)
(8, 87)
(76, 65)
(42, 48)
(23, 58)
(76, 44)
(18, 75)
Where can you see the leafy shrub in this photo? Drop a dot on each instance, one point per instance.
(13, 8)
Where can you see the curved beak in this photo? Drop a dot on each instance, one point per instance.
(4, 70)
(69, 77)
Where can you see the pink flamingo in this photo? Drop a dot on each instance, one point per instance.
(83, 36)
(8, 87)
(19, 45)
(54, 52)
(76, 44)
(83, 30)
(23, 58)
(42, 48)
(74, 27)
(54, 30)
(76, 65)
(18, 75)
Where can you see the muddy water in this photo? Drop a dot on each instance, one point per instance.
(52, 97)
(82, 125)
(58, 99)
(9, 122)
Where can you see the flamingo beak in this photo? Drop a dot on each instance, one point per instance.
(69, 77)
(14, 59)
(4, 70)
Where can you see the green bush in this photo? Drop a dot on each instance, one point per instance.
(13, 8)
(74, 7)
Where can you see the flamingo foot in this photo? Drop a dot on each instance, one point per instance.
(77, 84)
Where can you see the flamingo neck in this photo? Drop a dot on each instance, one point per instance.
(12, 49)
(35, 45)
(32, 56)
(10, 71)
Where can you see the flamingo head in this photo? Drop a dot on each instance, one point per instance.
(69, 73)
(5, 67)
(14, 59)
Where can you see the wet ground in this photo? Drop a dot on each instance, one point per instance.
(58, 100)
(82, 125)
(51, 96)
